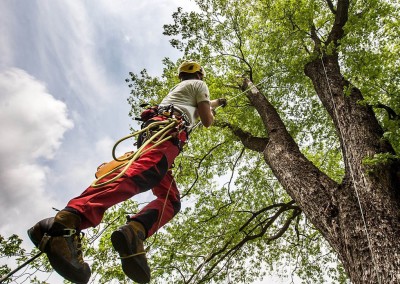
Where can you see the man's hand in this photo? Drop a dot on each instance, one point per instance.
(218, 102)
(222, 102)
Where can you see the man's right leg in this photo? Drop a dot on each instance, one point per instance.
(59, 237)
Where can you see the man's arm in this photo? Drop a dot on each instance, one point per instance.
(205, 113)
(206, 110)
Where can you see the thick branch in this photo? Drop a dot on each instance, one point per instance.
(331, 7)
(304, 182)
(266, 110)
(342, 15)
(391, 113)
(285, 226)
(255, 214)
(315, 38)
(249, 141)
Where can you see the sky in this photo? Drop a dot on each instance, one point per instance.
(63, 95)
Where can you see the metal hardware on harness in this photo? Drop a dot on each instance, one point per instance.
(171, 112)
(166, 111)
(69, 232)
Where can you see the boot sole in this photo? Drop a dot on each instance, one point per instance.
(131, 266)
(67, 272)
(37, 232)
(32, 238)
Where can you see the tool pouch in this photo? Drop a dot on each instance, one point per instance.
(148, 112)
(105, 168)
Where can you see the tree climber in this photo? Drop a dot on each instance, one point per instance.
(59, 237)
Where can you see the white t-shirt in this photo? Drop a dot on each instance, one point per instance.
(186, 95)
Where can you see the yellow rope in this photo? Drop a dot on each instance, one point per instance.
(161, 135)
(132, 255)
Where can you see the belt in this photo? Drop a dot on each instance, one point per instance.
(166, 111)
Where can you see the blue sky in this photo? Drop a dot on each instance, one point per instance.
(63, 94)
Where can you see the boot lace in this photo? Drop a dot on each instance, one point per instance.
(77, 243)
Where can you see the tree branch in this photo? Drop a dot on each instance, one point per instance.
(342, 15)
(391, 113)
(247, 238)
(331, 7)
(249, 141)
(237, 31)
(315, 38)
(254, 215)
(198, 167)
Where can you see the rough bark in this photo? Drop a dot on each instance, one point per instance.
(359, 217)
(367, 225)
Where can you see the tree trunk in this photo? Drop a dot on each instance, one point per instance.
(360, 217)
(365, 231)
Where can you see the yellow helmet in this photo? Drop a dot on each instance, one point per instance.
(191, 67)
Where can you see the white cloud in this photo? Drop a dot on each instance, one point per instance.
(67, 45)
(32, 125)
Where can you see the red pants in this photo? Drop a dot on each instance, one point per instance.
(150, 171)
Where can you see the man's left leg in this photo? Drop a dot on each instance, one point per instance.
(128, 239)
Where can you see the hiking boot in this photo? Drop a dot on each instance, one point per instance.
(128, 242)
(38, 231)
(62, 244)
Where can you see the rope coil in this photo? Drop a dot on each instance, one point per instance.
(157, 138)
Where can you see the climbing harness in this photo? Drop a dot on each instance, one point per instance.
(159, 126)
(354, 180)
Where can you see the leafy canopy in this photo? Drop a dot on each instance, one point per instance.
(237, 223)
